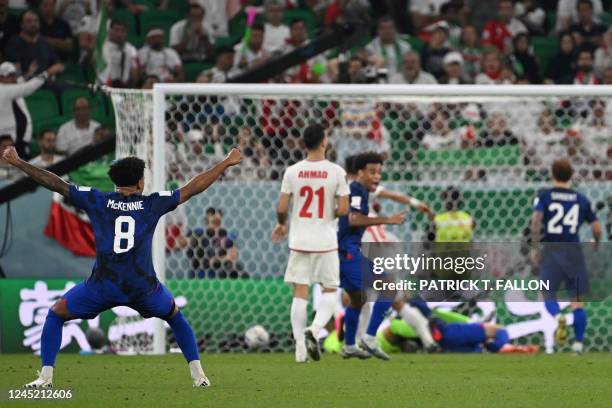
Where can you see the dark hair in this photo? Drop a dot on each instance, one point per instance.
(126, 172)
(587, 2)
(295, 21)
(44, 132)
(313, 136)
(562, 170)
(363, 159)
(258, 26)
(115, 22)
(213, 211)
(349, 164)
(582, 50)
(385, 19)
(5, 137)
(22, 16)
(223, 49)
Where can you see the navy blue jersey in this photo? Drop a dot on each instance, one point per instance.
(123, 227)
(349, 238)
(564, 212)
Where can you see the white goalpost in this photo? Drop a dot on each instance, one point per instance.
(495, 143)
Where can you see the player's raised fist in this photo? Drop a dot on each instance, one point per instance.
(10, 155)
(233, 157)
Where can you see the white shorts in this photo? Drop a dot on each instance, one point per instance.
(307, 268)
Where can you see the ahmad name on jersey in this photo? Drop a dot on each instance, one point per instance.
(314, 187)
(123, 227)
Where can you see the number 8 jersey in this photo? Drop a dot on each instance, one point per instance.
(123, 227)
(314, 186)
(564, 210)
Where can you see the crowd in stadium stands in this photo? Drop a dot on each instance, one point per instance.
(136, 44)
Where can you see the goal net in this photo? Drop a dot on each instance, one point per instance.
(495, 145)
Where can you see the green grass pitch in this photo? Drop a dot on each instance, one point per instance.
(274, 380)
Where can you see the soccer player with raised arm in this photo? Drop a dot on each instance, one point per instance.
(352, 262)
(320, 192)
(561, 211)
(123, 222)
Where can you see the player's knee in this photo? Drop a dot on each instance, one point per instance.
(576, 305)
(61, 310)
(329, 290)
(398, 305)
(491, 329)
(301, 291)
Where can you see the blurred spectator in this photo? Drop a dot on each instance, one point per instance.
(423, 12)
(133, 7)
(78, 132)
(597, 134)
(197, 151)
(532, 15)
(223, 69)
(73, 11)
(607, 77)
(155, 59)
(481, 11)
(7, 172)
(14, 115)
(603, 54)
(439, 136)
(544, 145)
(494, 70)
(88, 27)
(192, 37)
(590, 30)
(496, 131)
(29, 47)
(584, 69)
(349, 72)
(453, 63)
(451, 13)
(120, 58)
(9, 25)
(471, 52)
(48, 154)
(411, 72)
(276, 32)
(432, 53)
(525, 65)
(54, 30)
(216, 17)
(499, 32)
(387, 49)
(252, 54)
(567, 13)
(212, 250)
(562, 67)
(101, 134)
(255, 160)
(311, 71)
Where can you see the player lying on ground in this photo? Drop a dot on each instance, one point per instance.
(123, 222)
(562, 210)
(454, 333)
(319, 192)
(353, 265)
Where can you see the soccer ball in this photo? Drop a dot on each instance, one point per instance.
(256, 337)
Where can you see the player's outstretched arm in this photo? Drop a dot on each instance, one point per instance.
(360, 220)
(406, 200)
(203, 180)
(43, 177)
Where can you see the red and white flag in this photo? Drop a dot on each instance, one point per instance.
(70, 227)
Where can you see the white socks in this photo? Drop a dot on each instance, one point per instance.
(299, 317)
(325, 311)
(47, 372)
(196, 369)
(364, 320)
(414, 318)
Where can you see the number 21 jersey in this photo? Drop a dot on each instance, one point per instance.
(123, 227)
(314, 186)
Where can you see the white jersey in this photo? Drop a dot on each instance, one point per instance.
(314, 186)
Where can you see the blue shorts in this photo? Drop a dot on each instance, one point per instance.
(355, 271)
(462, 337)
(568, 267)
(84, 303)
